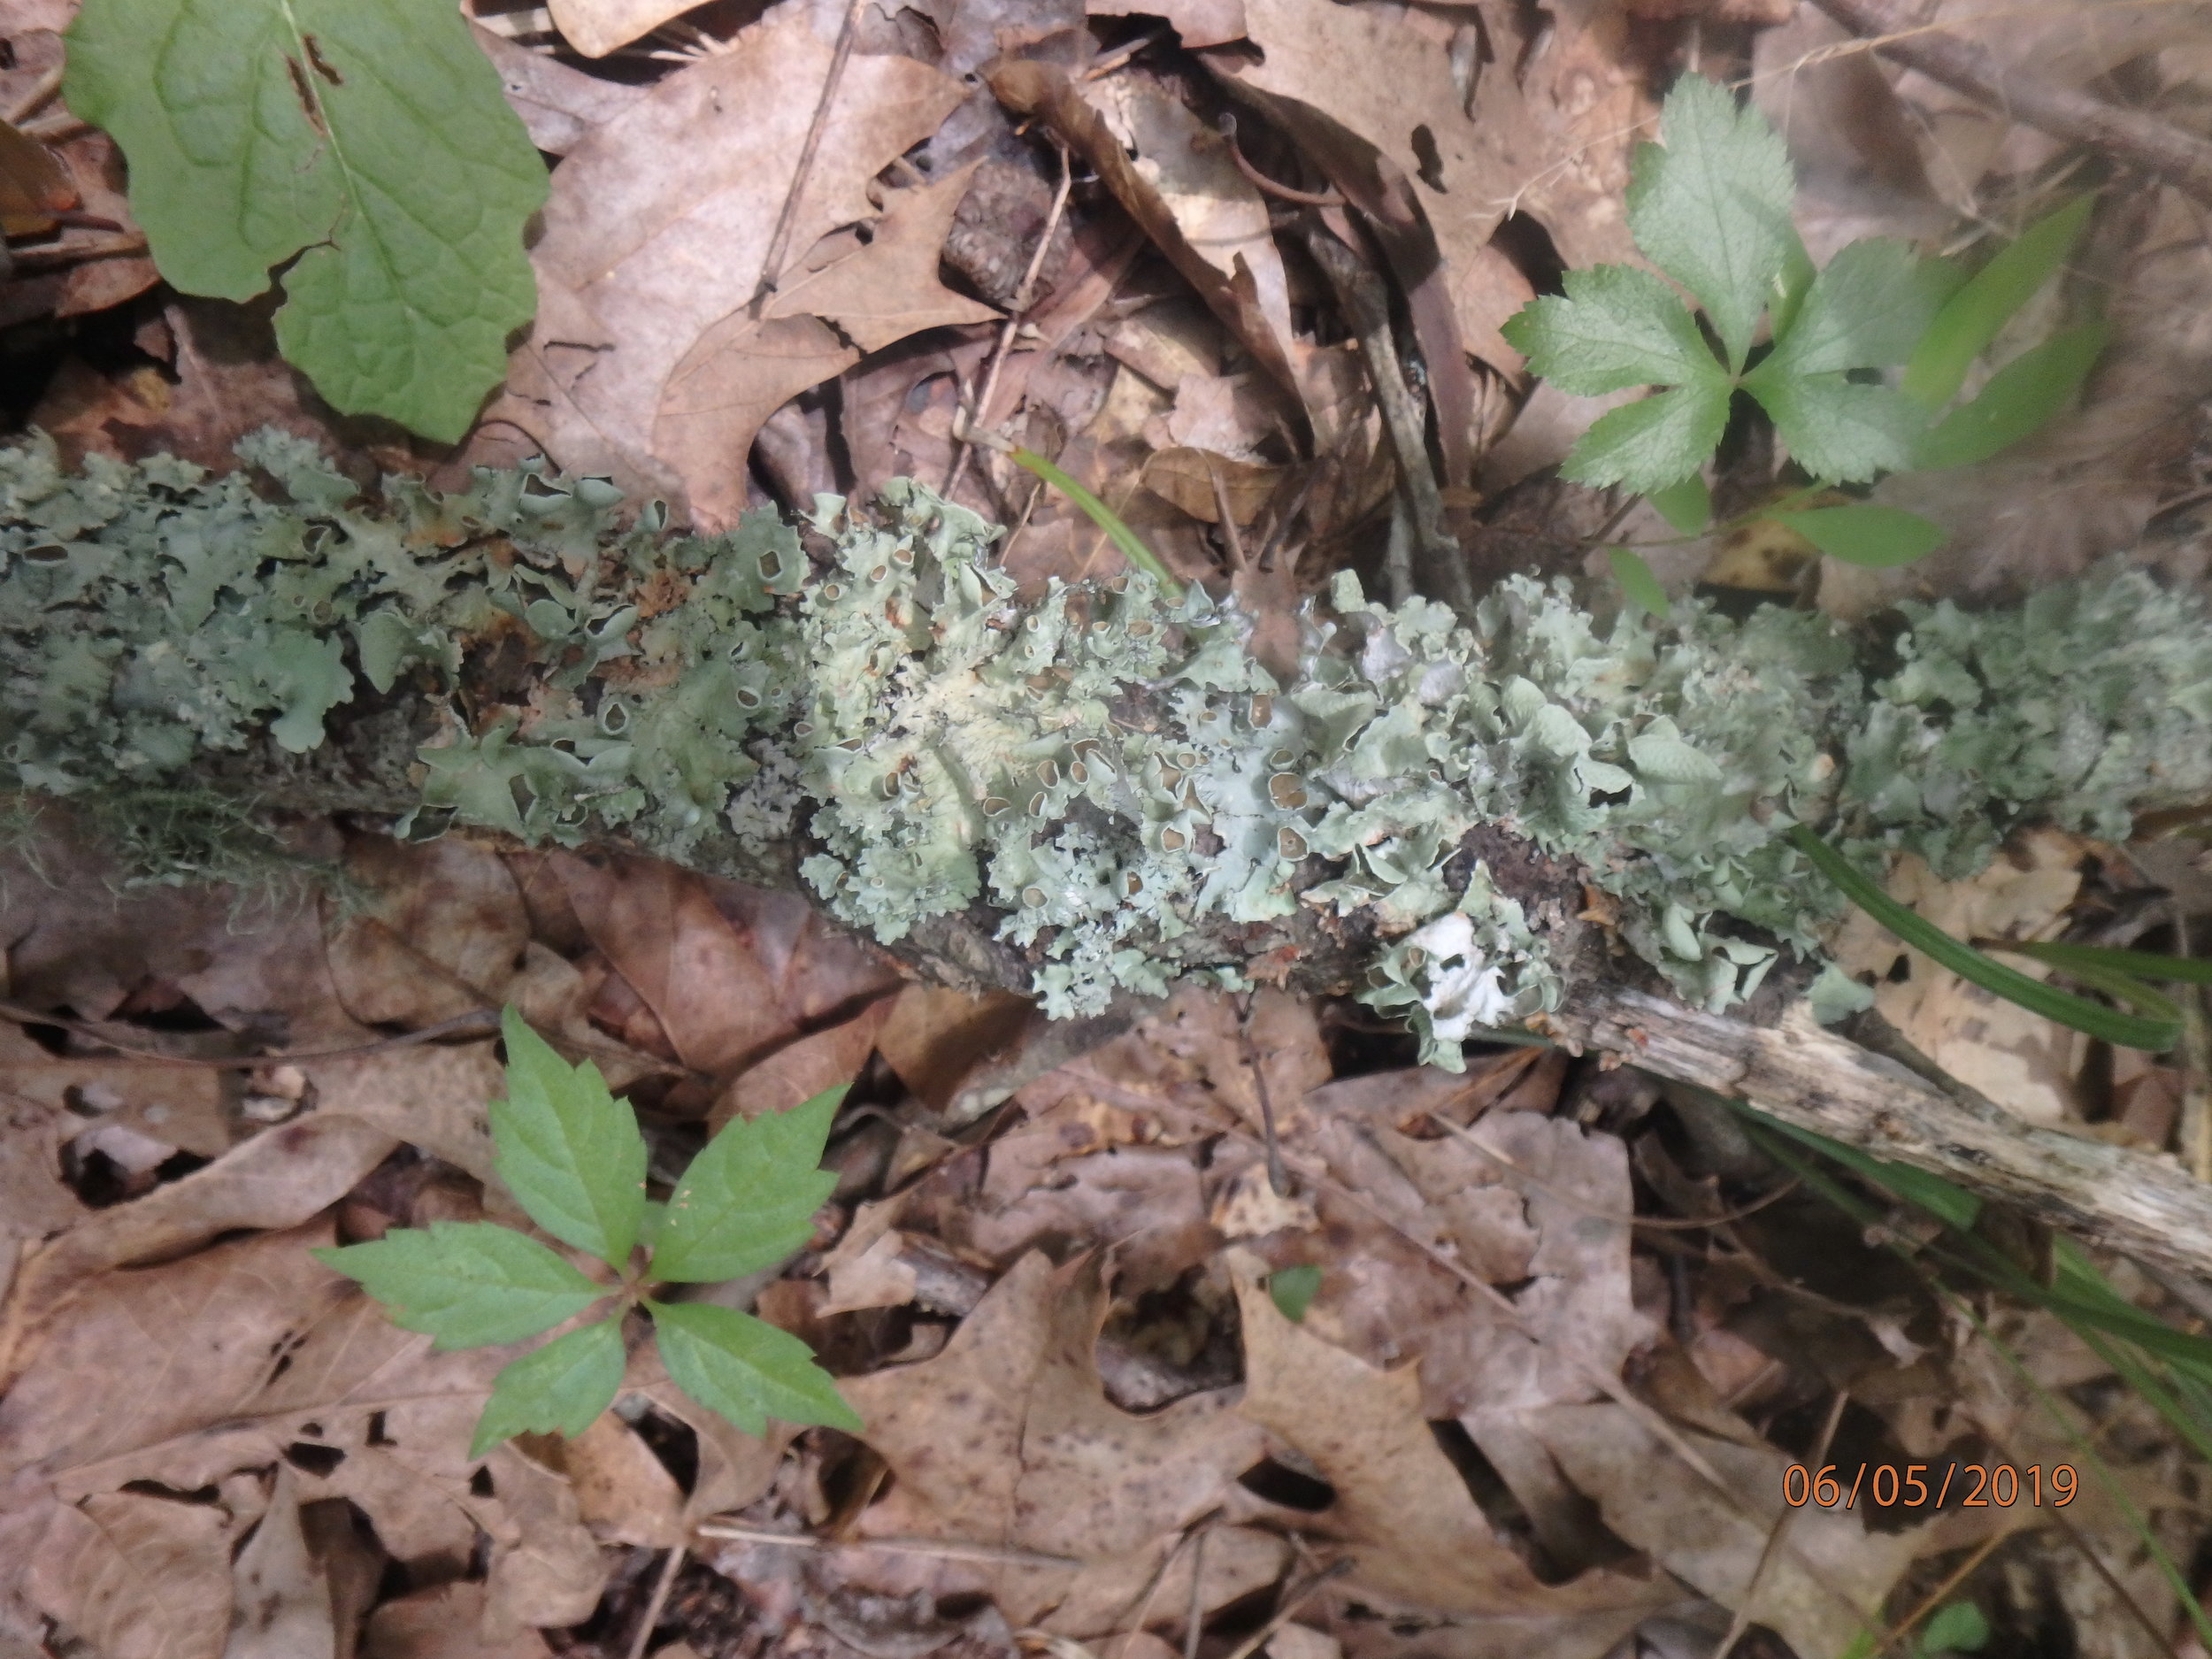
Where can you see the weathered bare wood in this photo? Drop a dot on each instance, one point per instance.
(2134, 1202)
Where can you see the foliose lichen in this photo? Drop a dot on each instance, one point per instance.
(1102, 767)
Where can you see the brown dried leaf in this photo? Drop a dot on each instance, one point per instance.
(1196, 23)
(1829, 1572)
(659, 221)
(1401, 1507)
(1185, 477)
(558, 105)
(623, 1492)
(281, 1591)
(596, 27)
(442, 1623)
(138, 1577)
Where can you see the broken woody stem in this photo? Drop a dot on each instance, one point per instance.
(1530, 818)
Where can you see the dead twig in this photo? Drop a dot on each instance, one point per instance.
(787, 221)
(643, 1634)
(1742, 1621)
(979, 413)
(1895, 29)
(1266, 186)
(942, 1548)
(1298, 1596)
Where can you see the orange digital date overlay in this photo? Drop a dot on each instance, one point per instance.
(1927, 1485)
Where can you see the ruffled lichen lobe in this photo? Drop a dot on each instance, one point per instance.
(1102, 769)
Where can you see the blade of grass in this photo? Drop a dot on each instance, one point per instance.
(1971, 317)
(1105, 518)
(2143, 964)
(2123, 1031)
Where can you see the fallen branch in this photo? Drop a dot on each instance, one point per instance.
(1899, 30)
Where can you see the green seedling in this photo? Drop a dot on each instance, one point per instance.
(572, 1156)
(1711, 207)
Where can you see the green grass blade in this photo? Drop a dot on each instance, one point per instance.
(1637, 580)
(1971, 317)
(2123, 1031)
(1105, 518)
(2019, 400)
(2143, 964)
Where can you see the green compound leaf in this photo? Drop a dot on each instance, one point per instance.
(469, 1284)
(1650, 444)
(2018, 400)
(748, 1199)
(562, 1388)
(1688, 506)
(1972, 316)
(1836, 428)
(1615, 327)
(1866, 310)
(567, 1148)
(374, 137)
(745, 1368)
(1638, 582)
(1878, 537)
(2123, 1031)
(1712, 208)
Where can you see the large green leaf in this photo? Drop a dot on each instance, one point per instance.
(1835, 427)
(567, 1148)
(1866, 532)
(1971, 317)
(1652, 442)
(1712, 209)
(1866, 310)
(370, 139)
(469, 1284)
(745, 1368)
(559, 1389)
(749, 1200)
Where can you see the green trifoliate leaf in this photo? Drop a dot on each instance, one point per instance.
(1866, 310)
(1649, 444)
(567, 1148)
(560, 1389)
(469, 1284)
(1638, 581)
(745, 1368)
(1614, 327)
(1712, 208)
(374, 137)
(2019, 399)
(1971, 317)
(1836, 428)
(1867, 534)
(748, 1199)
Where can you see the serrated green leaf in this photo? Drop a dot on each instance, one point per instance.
(748, 1199)
(2124, 1030)
(560, 1389)
(1637, 581)
(374, 138)
(1836, 429)
(1867, 534)
(1650, 443)
(1294, 1288)
(567, 1148)
(1687, 507)
(1972, 316)
(1712, 208)
(745, 1368)
(2018, 399)
(1866, 310)
(469, 1284)
(1616, 326)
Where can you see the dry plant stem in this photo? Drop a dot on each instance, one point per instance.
(979, 414)
(943, 1549)
(1440, 571)
(1697, 1224)
(1292, 1602)
(1140, 1609)
(1194, 1618)
(1899, 30)
(1941, 1593)
(787, 221)
(2108, 1196)
(1776, 1533)
(2196, 1064)
(1266, 186)
(643, 1634)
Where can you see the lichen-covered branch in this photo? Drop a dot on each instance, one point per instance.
(1107, 788)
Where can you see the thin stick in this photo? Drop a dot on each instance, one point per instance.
(1266, 186)
(981, 412)
(1277, 1182)
(1292, 1602)
(1936, 1597)
(1194, 1620)
(1123, 53)
(787, 221)
(944, 1550)
(1741, 1622)
(2139, 140)
(34, 95)
(643, 1634)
